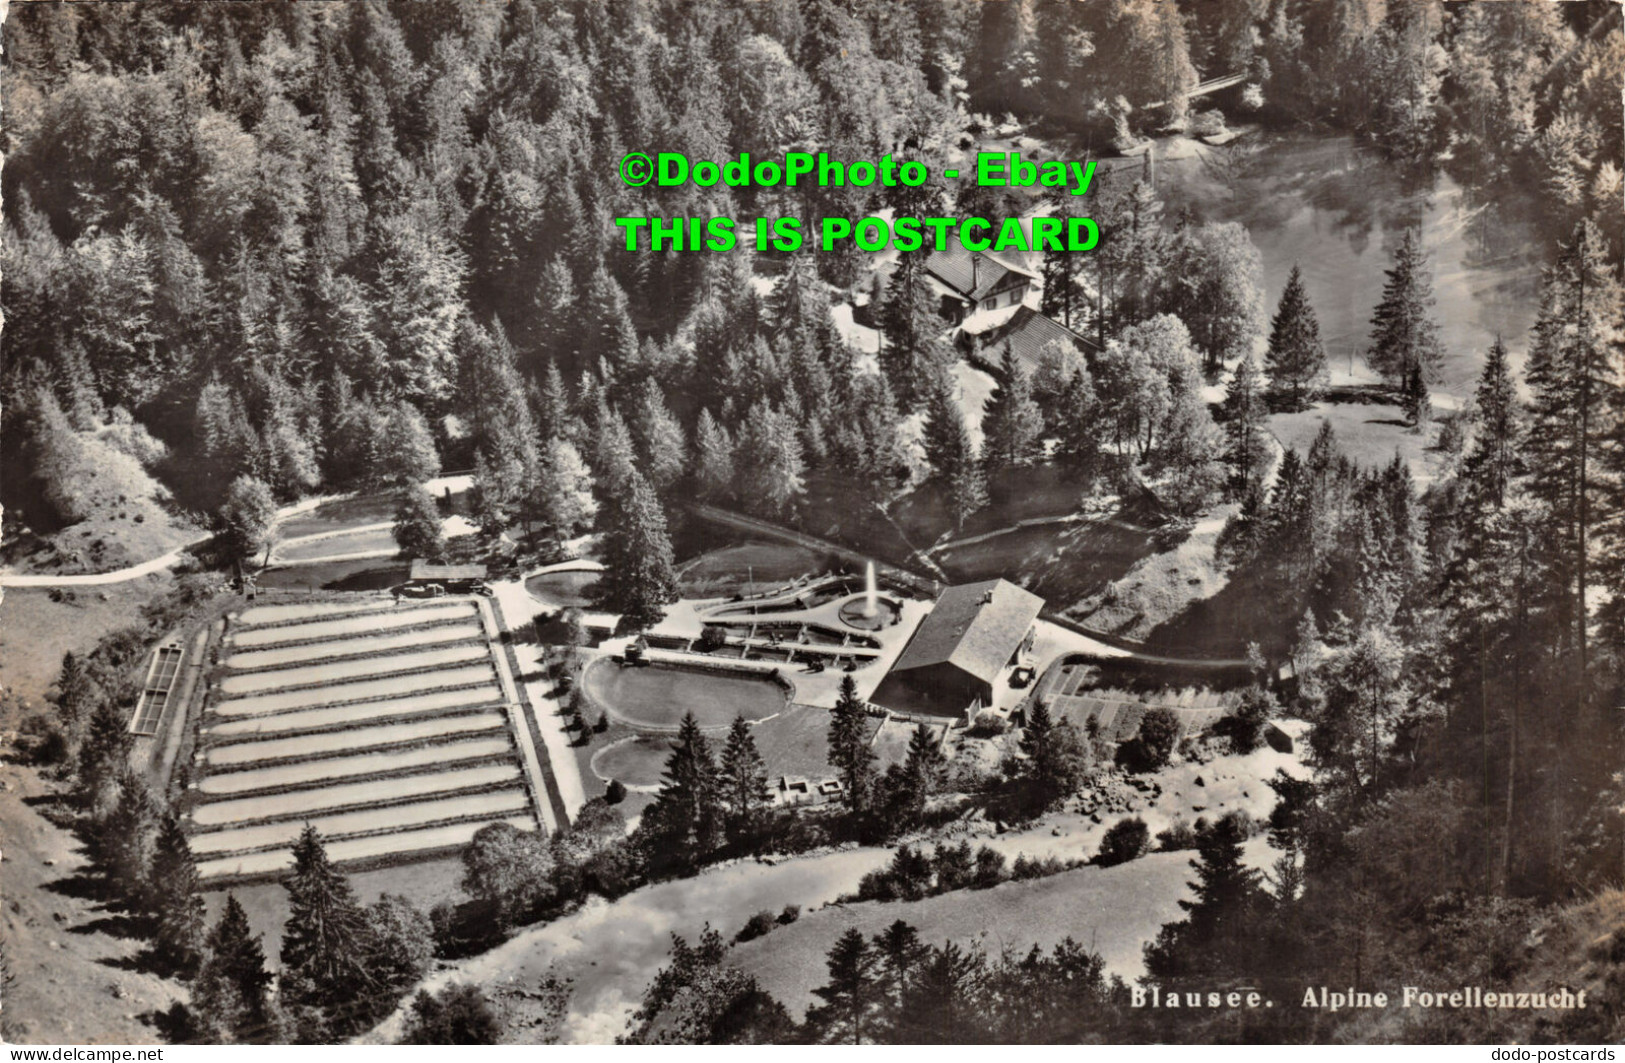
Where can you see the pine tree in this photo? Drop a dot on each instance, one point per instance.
(1493, 459)
(229, 994)
(1575, 374)
(849, 752)
(1218, 935)
(1011, 420)
(103, 756)
(684, 825)
(559, 503)
(661, 448)
(325, 942)
(1244, 412)
(174, 900)
(850, 994)
(910, 352)
(951, 453)
(713, 459)
(768, 462)
(1404, 336)
(126, 839)
(639, 580)
(745, 794)
(1296, 362)
(553, 417)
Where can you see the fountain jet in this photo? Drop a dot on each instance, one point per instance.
(871, 601)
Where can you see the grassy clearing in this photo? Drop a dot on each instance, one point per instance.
(1369, 432)
(36, 629)
(1114, 911)
(1063, 563)
(755, 567)
(1159, 586)
(339, 515)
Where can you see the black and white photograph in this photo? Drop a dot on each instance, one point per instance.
(812, 522)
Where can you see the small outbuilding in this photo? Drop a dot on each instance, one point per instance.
(974, 633)
(456, 579)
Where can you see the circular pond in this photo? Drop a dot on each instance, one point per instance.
(855, 613)
(637, 761)
(655, 697)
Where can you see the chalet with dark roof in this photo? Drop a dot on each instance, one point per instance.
(1024, 334)
(969, 281)
(949, 669)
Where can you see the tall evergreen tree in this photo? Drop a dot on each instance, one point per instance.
(229, 995)
(1244, 413)
(1011, 421)
(1576, 374)
(638, 581)
(849, 752)
(325, 942)
(174, 899)
(684, 825)
(713, 459)
(744, 792)
(850, 996)
(1219, 934)
(1296, 362)
(1404, 336)
(951, 453)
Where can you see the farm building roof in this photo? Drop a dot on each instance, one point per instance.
(1026, 333)
(424, 570)
(975, 274)
(976, 627)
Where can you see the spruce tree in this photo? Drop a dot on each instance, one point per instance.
(174, 900)
(1011, 421)
(1296, 362)
(713, 459)
(1244, 413)
(910, 352)
(325, 942)
(229, 994)
(684, 825)
(1404, 336)
(638, 580)
(768, 461)
(1575, 374)
(851, 994)
(951, 453)
(661, 448)
(744, 791)
(1217, 938)
(849, 752)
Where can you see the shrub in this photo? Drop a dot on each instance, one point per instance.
(791, 913)
(1179, 835)
(987, 725)
(1149, 750)
(1031, 867)
(615, 793)
(1126, 840)
(602, 724)
(755, 926)
(989, 870)
(712, 638)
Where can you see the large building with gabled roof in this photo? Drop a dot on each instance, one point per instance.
(971, 281)
(1025, 334)
(974, 633)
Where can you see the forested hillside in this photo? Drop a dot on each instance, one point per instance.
(257, 251)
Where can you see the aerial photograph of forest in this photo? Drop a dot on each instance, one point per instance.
(812, 522)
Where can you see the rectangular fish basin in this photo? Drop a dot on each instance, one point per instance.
(282, 614)
(337, 715)
(410, 841)
(370, 623)
(500, 803)
(338, 693)
(360, 646)
(298, 805)
(337, 672)
(307, 771)
(265, 752)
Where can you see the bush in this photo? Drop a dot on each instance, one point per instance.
(987, 725)
(756, 926)
(1149, 750)
(458, 1015)
(791, 913)
(1031, 867)
(1126, 840)
(712, 638)
(1179, 835)
(602, 725)
(615, 793)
